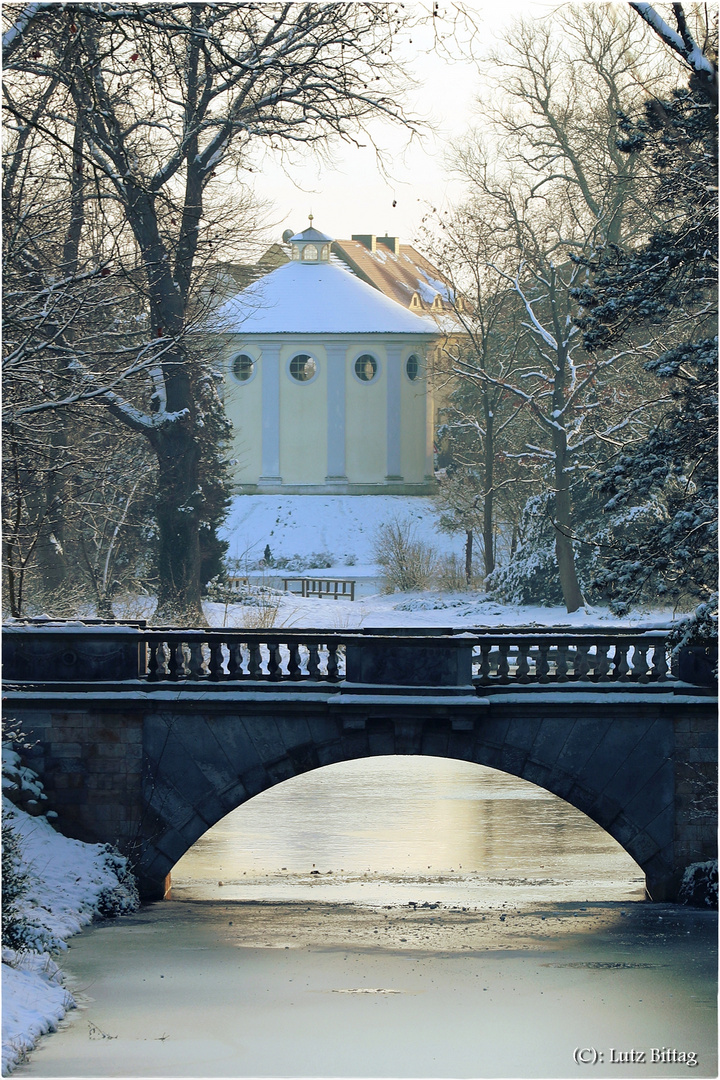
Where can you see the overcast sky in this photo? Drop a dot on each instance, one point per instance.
(351, 195)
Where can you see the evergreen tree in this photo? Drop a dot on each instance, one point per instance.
(669, 281)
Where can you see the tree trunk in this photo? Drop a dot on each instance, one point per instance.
(51, 558)
(178, 559)
(468, 555)
(488, 493)
(572, 596)
(488, 533)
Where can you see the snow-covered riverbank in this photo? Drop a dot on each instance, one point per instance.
(61, 886)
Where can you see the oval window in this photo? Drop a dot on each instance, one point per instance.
(412, 367)
(366, 367)
(303, 367)
(243, 367)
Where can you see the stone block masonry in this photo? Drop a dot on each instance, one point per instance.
(153, 775)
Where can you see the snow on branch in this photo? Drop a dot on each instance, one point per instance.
(681, 43)
(11, 37)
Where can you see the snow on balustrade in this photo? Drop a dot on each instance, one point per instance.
(502, 656)
(600, 657)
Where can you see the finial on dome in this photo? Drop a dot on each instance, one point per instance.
(310, 219)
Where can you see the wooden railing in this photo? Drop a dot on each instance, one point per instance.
(322, 588)
(113, 653)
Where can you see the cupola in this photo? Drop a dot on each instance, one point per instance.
(310, 246)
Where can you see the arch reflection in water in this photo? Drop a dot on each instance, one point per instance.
(399, 829)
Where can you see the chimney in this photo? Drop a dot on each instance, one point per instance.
(392, 242)
(366, 240)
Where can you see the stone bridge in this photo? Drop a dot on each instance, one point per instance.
(146, 738)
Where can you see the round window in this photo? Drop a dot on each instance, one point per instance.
(243, 367)
(412, 367)
(366, 367)
(303, 367)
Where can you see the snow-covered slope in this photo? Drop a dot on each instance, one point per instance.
(344, 525)
(68, 884)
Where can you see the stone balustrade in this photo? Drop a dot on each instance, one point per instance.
(441, 657)
(597, 656)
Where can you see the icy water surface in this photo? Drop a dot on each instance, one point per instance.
(390, 829)
(460, 924)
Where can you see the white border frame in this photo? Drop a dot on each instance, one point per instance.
(291, 377)
(251, 353)
(421, 367)
(376, 376)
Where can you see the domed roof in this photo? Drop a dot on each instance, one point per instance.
(312, 236)
(316, 298)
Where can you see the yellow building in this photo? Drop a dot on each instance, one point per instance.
(325, 381)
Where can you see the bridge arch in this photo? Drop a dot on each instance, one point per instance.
(398, 814)
(198, 769)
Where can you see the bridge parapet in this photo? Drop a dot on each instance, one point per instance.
(445, 657)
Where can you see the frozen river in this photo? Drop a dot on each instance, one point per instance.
(396, 917)
(394, 829)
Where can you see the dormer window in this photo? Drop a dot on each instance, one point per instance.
(415, 304)
(437, 303)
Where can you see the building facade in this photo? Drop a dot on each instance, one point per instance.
(325, 381)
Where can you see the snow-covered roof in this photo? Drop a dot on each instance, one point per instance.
(311, 235)
(316, 298)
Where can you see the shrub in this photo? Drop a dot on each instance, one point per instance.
(123, 898)
(407, 563)
(450, 574)
(699, 886)
(14, 887)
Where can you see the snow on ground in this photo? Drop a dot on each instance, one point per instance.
(460, 610)
(68, 884)
(344, 525)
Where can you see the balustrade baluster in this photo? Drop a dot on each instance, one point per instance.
(314, 661)
(503, 665)
(602, 662)
(522, 668)
(484, 672)
(639, 662)
(215, 667)
(542, 665)
(561, 662)
(294, 661)
(332, 664)
(581, 662)
(621, 666)
(255, 661)
(153, 662)
(659, 664)
(174, 663)
(195, 662)
(275, 662)
(235, 668)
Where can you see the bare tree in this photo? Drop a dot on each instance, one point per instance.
(549, 184)
(157, 102)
